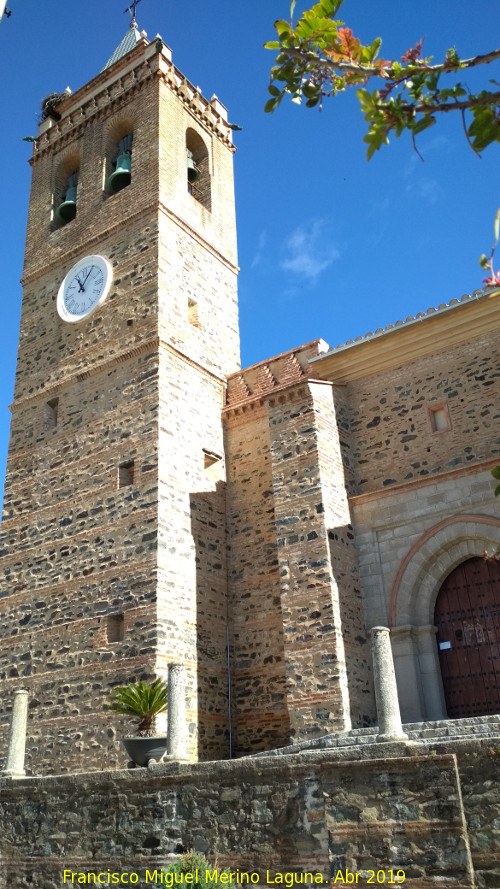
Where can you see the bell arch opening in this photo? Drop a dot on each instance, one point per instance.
(198, 169)
(118, 156)
(66, 190)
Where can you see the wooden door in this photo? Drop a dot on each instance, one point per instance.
(467, 616)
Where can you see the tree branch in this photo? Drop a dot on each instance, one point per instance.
(374, 70)
(431, 107)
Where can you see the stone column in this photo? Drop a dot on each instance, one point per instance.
(386, 693)
(14, 767)
(176, 729)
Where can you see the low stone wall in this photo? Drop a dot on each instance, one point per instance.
(343, 814)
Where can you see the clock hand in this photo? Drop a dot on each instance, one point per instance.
(88, 273)
(81, 284)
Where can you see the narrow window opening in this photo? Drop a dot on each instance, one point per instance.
(115, 628)
(50, 412)
(193, 316)
(126, 474)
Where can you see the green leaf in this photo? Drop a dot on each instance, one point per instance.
(497, 491)
(292, 8)
(483, 262)
(141, 701)
(283, 28)
(274, 90)
(329, 6)
(496, 472)
(271, 104)
(375, 48)
(311, 91)
(365, 99)
(272, 44)
(423, 124)
(484, 129)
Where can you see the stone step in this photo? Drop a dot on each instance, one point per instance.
(425, 732)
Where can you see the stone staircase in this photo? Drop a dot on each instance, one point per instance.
(442, 731)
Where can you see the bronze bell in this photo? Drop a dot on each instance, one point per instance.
(66, 210)
(121, 175)
(193, 172)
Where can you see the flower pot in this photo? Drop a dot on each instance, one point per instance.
(145, 750)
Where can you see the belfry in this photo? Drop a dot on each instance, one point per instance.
(116, 460)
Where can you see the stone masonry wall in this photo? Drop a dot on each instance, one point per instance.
(390, 422)
(192, 570)
(81, 550)
(320, 604)
(259, 711)
(431, 814)
(293, 564)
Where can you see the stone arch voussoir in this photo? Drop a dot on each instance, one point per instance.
(431, 559)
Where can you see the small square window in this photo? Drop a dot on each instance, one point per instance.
(115, 628)
(439, 418)
(126, 474)
(213, 465)
(193, 316)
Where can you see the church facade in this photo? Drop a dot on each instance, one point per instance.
(164, 506)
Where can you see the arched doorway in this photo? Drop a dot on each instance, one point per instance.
(467, 616)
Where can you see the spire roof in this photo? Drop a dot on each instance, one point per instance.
(129, 42)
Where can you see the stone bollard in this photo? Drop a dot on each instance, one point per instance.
(176, 728)
(14, 767)
(386, 692)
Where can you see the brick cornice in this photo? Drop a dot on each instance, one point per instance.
(91, 369)
(110, 89)
(74, 252)
(98, 98)
(420, 482)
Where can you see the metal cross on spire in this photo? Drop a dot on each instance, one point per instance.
(132, 10)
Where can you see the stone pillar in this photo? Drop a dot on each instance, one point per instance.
(430, 671)
(176, 729)
(14, 766)
(407, 668)
(386, 692)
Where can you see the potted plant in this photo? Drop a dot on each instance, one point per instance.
(203, 873)
(144, 702)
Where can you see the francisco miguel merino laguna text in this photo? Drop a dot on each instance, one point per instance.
(173, 879)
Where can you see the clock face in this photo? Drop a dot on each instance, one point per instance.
(84, 288)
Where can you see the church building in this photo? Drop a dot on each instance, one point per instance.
(163, 505)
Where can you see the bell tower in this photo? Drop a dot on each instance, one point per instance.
(113, 540)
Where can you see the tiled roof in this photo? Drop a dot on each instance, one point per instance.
(129, 42)
(380, 331)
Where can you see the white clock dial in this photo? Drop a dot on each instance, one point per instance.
(84, 288)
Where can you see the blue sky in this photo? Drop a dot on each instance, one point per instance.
(329, 245)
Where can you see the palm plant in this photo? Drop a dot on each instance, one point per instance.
(142, 701)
